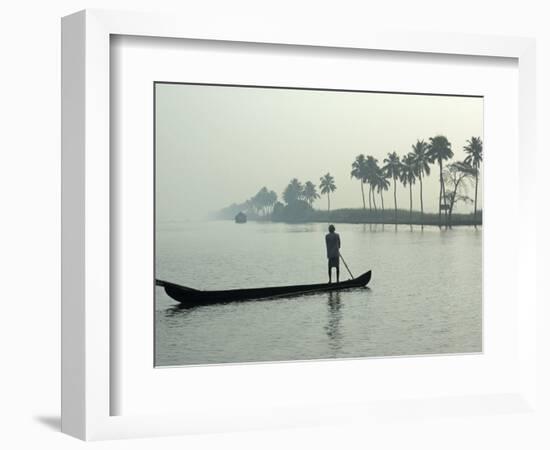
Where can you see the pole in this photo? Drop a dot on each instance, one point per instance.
(344, 261)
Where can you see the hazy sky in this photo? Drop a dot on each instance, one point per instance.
(219, 145)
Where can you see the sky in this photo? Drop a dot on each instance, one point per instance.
(217, 145)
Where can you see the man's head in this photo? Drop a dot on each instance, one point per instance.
(331, 228)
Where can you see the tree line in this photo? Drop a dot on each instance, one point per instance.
(406, 170)
(414, 166)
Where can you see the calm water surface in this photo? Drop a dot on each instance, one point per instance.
(425, 295)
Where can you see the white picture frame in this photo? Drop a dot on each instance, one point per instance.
(86, 222)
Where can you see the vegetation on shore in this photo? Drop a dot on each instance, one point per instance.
(388, 217)
(454, 180)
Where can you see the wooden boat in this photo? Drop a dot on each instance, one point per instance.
(240, 218)
(191, 297)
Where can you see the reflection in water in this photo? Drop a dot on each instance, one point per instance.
(176, 311)
(334, 332)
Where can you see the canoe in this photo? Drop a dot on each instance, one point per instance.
(191, 297)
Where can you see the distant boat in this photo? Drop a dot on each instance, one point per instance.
(240, 218)
(191, 297)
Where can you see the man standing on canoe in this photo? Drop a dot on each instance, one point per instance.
(332, 240)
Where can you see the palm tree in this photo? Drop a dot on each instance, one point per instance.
(327, 186)
(260, 200)
(264, 200)
(474, 150)
(382, 184)
(392, 169)
(371, 172)
(422, 167)
(440, 150)
(408, 177)
(271, 200)
(293, 192)
(359, 171)
(310, 193)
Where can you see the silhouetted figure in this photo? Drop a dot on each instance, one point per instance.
(332, 240)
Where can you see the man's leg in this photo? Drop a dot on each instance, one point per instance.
(338, 274)
(329, 273)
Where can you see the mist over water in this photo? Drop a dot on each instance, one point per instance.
(217, 145)
(425, 295)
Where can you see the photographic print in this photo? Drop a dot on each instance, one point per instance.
(299, 224)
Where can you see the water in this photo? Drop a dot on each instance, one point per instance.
(425, 295)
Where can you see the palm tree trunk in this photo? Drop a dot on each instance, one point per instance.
(328, 198)
(370, 204)
(395, 199)
(443, 190)
(374, 199)
(411, 204)
(421, 203)
(363, 194)
(440, 190)
(383, 212)
(475, 201)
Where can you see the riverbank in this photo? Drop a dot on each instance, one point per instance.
(389, 217)
(359, 215)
